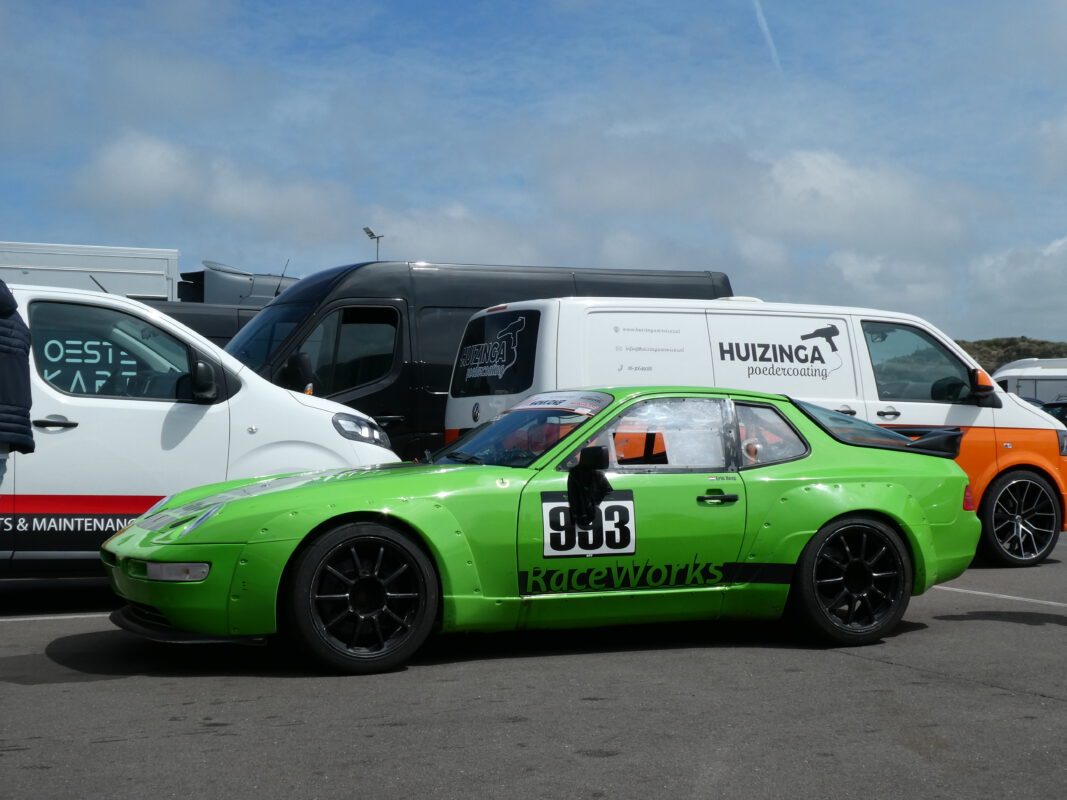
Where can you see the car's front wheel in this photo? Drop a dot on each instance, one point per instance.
(1021, 519)
(363, 598)
(854, 580)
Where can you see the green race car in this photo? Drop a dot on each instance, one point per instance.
(574, 508)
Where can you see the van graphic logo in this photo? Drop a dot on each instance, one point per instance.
(493, 358)
(777, 359)
(476, 411)
(828, 333)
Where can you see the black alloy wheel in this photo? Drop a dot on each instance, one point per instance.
(854, 581)
(363, 598)
(1021, 519)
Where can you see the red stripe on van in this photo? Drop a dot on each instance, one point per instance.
(84, 503)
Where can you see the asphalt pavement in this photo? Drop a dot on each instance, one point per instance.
(967, 699)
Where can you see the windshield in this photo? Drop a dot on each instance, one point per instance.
(523, 433)
(853, 431)
(257, 341)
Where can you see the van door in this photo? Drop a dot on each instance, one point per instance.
(116, 428)
(355, 353)
(915, 383)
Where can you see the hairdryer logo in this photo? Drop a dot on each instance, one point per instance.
(829, 333)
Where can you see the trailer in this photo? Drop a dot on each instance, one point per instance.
(1043, 379)
(215, 301)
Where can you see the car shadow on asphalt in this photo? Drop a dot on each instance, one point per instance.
(116, 654)
(1031, 618)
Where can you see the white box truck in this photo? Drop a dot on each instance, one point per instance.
(215, 302)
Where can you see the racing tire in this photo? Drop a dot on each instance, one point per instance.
(1021, 519)
(853, 582)
(363, 598)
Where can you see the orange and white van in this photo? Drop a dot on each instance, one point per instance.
(893, 369)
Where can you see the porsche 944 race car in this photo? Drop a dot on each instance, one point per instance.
(572, 509)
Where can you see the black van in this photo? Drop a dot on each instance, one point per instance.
(381, 336)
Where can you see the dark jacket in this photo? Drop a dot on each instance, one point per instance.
(15, 427)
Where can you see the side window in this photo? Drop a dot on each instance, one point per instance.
(351, 347)
(100, 352)
(911, 365)
(667, 435)
(766, 436)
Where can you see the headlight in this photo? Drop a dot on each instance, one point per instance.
(1062, 436)
(157, 505)
(360, 430)
(172, 528)
(181, 571)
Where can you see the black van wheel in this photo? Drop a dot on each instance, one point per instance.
(1021, 519)
(853, 581)
(363, 598)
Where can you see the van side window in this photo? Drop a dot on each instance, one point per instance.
(766, 436)
(910, 365)
(351, 347)
(668, 435)
(101, 352)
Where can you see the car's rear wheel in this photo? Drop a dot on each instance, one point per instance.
(1021, 519)
(853, 581)
(363, 598)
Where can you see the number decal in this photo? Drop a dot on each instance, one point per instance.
(612, 533)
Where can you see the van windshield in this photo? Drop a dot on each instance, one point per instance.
(497, 354)
(257, 341)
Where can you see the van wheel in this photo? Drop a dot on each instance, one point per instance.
(1021, 519)
(363, 598)
(854, 581)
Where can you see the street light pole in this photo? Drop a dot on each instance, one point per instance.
(372, 235)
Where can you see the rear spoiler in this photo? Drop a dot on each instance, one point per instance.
(939, 442)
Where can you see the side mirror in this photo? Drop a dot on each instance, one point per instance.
(205, 389)
(593, 458)
(587, 486)
(983, 390)
(299, 375)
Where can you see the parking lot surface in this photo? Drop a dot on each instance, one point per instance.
(967, 699)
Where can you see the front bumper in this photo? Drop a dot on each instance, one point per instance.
(150, 623)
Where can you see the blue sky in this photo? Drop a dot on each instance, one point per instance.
(904, 155)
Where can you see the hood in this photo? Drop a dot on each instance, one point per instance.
(7, 301)
(322, 404)
(257, 487)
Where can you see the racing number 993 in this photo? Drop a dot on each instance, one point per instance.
(612, 533)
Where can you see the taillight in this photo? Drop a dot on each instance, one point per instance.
(968, 499)
(451, 434)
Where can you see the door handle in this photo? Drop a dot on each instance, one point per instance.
(889, 412)
(717, 499)
(846, 410)
(54, 423)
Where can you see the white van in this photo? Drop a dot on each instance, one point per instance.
(895, 370)
(129, 405)
(1043, 379)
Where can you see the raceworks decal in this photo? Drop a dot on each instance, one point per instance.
(540, 580)
(90, 514)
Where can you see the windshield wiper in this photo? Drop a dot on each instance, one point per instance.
(464, 458)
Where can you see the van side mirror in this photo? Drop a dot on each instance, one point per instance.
(298, 372)
(983, 390)
(205, 388)
(587, 486)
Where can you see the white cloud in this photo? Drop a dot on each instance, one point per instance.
(137, 173)
(1018, 291)
(1052, 147)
